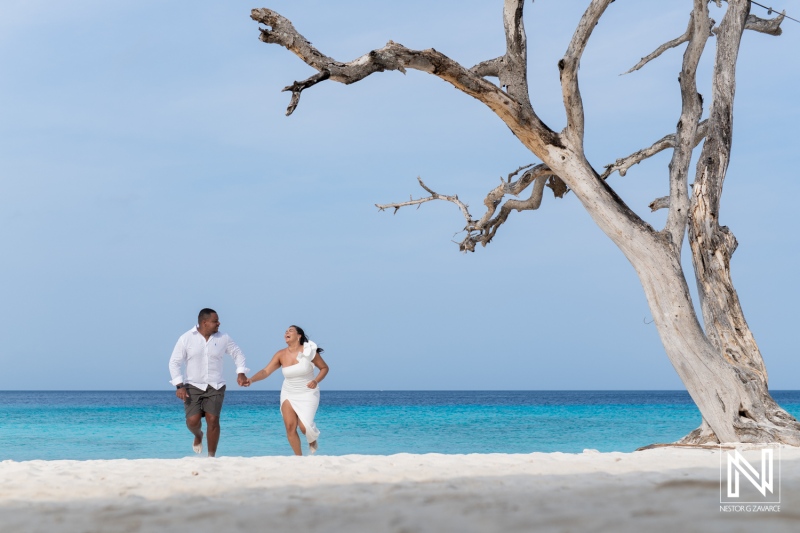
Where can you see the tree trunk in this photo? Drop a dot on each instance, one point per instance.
(710, 380)
(759, 418)
(730, 393)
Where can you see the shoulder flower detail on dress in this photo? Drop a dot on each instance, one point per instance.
(309, 351)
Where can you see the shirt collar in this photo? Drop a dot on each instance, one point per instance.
(197, 332)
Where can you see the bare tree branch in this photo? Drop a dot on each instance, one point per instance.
(686, 138)
(511, 68)
(768, 26)
(519, 116)
(659, 203)
(298, 86)
(685, 134)
(663, 48)
(668, 141)
(515, 172)
(532, 203)
(496, 195)
(483, 231)
(489, 68)
(514, 67)
(433, 196)
(568, 66)
(393, 56)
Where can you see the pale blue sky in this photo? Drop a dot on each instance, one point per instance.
(147, 170)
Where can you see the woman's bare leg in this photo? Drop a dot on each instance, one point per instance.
(291, 422)
(312, 446)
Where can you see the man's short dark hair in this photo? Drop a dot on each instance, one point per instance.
(204, 314)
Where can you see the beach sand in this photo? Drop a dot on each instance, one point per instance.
(663, 489)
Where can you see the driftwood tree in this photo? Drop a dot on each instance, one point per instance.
(721, 365)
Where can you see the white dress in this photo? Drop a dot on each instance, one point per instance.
(303, 400)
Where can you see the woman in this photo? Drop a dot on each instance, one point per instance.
(299, 393)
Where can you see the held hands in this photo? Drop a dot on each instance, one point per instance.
(241, 379)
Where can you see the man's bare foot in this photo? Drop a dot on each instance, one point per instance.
(197, 446)
(313, 447)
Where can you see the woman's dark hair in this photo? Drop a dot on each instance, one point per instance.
(303, 338)
(299, 330)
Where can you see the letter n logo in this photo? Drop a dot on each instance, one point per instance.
(738, 464)
(762, 479)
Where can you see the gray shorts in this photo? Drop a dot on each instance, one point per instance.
(201, 401)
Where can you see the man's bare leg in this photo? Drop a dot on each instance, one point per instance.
(194, 425)
(212, 427)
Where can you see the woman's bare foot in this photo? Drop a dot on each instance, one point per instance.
(312, 447)
(197, 446)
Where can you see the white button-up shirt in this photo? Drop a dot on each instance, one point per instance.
(203, 359)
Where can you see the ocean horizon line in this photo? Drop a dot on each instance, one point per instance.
(377, 390)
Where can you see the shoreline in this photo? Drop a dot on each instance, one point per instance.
(658, 489)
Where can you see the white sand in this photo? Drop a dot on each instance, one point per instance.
(665, 489)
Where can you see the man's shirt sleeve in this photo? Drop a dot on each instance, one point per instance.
(175, 361)
(238, 357)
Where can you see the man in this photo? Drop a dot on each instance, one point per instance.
(201, 350)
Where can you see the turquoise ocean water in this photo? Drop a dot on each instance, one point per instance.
(150, 424)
